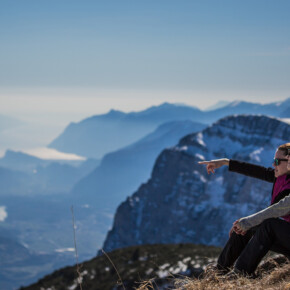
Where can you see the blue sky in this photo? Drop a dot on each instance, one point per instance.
(77, 58)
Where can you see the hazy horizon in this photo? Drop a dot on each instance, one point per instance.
(62, 62)
(84, 107)
(33, 136)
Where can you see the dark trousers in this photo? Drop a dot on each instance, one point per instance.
(248, 250)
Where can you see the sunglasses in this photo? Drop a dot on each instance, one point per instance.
(277, 161)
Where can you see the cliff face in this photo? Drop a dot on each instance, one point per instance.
(181, 203)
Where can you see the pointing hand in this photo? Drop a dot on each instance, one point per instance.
(214, 164)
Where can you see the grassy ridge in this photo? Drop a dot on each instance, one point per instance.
(134, 265)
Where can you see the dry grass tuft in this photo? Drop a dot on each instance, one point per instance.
(271, 276)
(278, 278)
(277, 275)
(146, 285)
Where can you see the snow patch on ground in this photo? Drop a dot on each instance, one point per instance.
(72, 287)
(149, 271)
(78, 281)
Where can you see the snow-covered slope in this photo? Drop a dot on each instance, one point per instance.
(182, 203)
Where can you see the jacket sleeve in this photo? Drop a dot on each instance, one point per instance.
(252, 170)
(279, 209)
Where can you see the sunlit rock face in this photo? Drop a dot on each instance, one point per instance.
(181, 203)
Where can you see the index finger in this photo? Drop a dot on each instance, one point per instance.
(204, 162)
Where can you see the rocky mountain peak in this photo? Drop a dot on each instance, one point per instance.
(236, 134)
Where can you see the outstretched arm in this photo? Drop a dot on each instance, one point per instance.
(244, 168)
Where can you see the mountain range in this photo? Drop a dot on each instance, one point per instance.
(101, 134)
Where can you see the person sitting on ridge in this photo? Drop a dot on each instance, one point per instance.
(251, 237)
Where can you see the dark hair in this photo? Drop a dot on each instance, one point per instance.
(285, 149)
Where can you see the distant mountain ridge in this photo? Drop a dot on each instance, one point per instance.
(218, 105)
(122, 171)
(275, 109)
(101, 134)
(98, 135)
(182, 203)
(21, 161)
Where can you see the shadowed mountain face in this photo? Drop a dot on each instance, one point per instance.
(182, 203)
(98, 135)
(121, 172)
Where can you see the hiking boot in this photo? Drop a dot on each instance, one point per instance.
(236, 273)
(213, 268)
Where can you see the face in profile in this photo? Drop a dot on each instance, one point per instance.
(281, 165)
